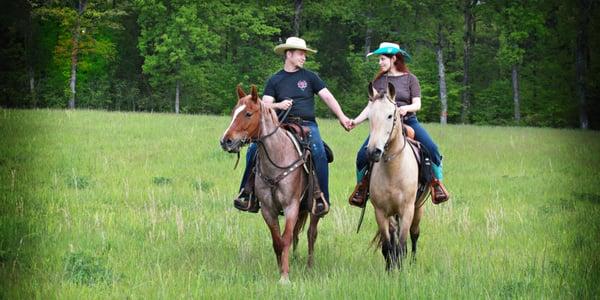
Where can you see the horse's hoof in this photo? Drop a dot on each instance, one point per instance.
(284, 280)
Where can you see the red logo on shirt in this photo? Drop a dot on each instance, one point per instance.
(302, 84)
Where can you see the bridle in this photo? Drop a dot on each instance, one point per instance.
(272, 182)
(387, 143)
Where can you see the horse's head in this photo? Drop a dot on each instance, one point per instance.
(245, 122)
(382, 116)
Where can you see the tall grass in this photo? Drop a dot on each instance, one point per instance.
(127, 205)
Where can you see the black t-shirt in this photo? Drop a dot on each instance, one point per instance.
(300, 86)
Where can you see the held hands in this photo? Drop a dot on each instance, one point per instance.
(345, 122)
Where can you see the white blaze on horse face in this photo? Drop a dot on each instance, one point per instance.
(235, 114)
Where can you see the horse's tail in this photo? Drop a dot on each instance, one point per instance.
(302, 217)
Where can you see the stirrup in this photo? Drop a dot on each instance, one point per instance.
(246, 202)
(320, 206)
(360, 194)
(439, 193)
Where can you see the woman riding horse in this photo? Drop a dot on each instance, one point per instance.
(408, 99)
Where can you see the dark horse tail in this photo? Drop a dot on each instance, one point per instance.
(302, 217)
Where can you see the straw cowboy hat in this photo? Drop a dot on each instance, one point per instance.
(293, 43)
(391, 49)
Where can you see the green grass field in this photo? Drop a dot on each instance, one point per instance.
(129, 205)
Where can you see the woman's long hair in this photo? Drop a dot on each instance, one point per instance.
(399, 64)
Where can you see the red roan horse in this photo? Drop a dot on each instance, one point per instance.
(277, 154)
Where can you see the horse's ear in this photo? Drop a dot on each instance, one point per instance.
(371, 91)
(392, 92)
(254, 93)
(240, 92)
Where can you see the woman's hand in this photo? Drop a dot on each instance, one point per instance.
(403, 110)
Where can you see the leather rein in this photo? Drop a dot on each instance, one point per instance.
(387, 143)
(272, 182)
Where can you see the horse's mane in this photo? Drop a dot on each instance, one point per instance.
(265, 111)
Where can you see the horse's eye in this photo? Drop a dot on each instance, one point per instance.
(248, 114)
(390, 116)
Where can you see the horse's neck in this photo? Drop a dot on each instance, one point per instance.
(276, 144)
(396, 148)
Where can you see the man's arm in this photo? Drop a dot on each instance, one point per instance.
(334, 106)
(270, 103)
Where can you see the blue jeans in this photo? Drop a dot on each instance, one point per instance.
(421, 135)
(318, 155)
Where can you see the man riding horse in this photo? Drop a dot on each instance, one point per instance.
(293, 88)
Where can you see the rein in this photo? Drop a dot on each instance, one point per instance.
(259, 140)
(288, 169)
(387, 144)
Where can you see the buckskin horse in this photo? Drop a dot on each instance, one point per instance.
(281, 180)
(394, 179)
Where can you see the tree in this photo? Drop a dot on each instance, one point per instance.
(581, 61)
(82, 21)
(468, 40)
(517, 23)
(172, 40)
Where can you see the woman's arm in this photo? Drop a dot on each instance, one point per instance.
(364, 114)
(414, 107)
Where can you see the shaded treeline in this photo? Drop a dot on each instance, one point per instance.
(479, 62)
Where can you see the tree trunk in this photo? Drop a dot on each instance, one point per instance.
(442, 77)
(75, 51)
(581, 63)
(515, 84)
(31, 73)
(368, 41)
(467, 44)
(30, 60)
(297, 13)
(177, 98)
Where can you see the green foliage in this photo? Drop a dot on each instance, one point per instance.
(134, 52)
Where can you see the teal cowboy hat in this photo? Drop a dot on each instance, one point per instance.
(391, 49)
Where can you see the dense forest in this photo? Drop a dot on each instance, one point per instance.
(529, 63)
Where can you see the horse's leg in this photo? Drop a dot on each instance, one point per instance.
(312, 238)
(299, 224)
(404, 226)
(384, 233)
(291, 217)
(395, 240)
(415, 231)
(273, 224)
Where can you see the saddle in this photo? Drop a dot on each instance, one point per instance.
(301, 134)
(424, 163)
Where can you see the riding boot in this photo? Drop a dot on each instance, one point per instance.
(320, 205)
(439, 193)
(361, 192)
(246, 201)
